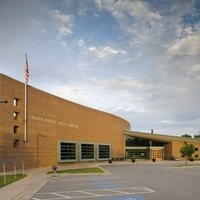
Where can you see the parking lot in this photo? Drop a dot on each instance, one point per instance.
(140, 181)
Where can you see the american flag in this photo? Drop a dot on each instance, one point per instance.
(26, 70)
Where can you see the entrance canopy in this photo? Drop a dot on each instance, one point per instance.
(150, 145)
(143, 146)
(157, 137)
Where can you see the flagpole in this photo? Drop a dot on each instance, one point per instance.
(25, 114)
(25, 99)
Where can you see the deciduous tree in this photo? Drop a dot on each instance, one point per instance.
(186, 135)
(187, 150)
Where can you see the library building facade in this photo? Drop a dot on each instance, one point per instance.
(59, 131)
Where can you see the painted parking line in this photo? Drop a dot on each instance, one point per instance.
(134, 197)
(60, 195)
(94, 183)
(75, 179)
(83, 194)
(90, 184)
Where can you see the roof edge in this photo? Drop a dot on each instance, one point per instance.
(160, 136)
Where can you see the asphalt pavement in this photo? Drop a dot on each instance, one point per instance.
(127, 181)
(123, 180)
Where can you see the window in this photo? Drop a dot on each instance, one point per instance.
(16, 143)
(87, 151)
(196, 149)
(15, 115)
(67, 151)
(140, 142)
(16, 101)
(104, 151)
(15, 129)
(138, 153)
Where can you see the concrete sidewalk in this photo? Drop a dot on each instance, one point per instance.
(25, 188)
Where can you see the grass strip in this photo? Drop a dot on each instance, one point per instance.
(188, 165)
(10, 178)
(78, 171)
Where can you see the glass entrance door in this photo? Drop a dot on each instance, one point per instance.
(157, 153)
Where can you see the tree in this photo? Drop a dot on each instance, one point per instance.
(197, 136)
(187, 150)
(186, 135)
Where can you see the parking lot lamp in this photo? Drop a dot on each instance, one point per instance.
(150, 144)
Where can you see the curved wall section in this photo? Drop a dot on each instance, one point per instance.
(58, 130)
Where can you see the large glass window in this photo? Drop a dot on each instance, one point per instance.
(135, 142)
(104, 151)
(137, 153)
(67, 151)
(87, 151)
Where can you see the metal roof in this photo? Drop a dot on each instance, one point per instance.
(159, 137)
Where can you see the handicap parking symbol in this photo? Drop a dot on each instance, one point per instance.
(125, 198)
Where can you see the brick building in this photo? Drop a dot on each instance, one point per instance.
(60, 131)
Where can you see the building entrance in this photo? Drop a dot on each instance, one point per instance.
(157, 153)
(141, 148)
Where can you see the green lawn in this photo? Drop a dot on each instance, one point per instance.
(10, 179)
(77, 171)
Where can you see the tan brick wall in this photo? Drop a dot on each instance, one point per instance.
(176, 145)
(51, 119)
(168, 151)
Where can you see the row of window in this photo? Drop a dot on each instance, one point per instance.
(15, 115)
(15, 127)
(68, 151)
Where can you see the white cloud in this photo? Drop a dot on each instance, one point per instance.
(103, 52)
(167, 121)
(64, 25)
(83, 8)
(81, 43)
(148, 72)
(135, 9)
(196, 68)
(64, 44)
(63, 31)
(119, 83)
(134, 17)
(72, 93)
(62, 18)
(37, 25)
(188, 45)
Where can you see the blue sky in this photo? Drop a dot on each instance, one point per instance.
(137, 59)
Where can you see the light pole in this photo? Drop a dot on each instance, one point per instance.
(150, 144)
